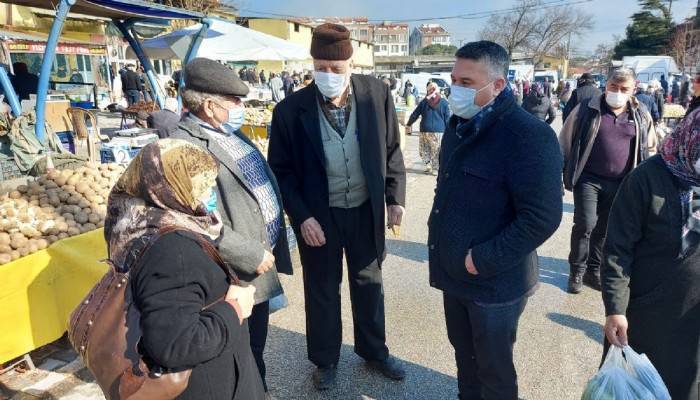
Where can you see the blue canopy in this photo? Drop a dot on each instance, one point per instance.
(115, 9)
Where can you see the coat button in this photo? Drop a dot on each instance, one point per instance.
(447, 175)
(432, 247)
(437, 211)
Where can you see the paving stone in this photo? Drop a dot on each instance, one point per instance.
(51, 364)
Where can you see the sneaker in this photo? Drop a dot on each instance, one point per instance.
(324, 377)
(575, 283)
(389, 368)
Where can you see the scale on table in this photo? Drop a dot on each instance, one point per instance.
(121, 149)
(134, 132)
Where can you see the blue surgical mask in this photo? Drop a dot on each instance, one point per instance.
(236, 117)
(329, 84)
(211, 203)
(462, 101)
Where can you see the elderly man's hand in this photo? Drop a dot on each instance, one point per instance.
(469, 264)
(394, 217)
(312, 233)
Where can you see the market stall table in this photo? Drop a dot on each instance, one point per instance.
(39, 291)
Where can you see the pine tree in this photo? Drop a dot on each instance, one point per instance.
(649, 33)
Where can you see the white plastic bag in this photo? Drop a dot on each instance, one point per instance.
(646, 373)
(616, 381)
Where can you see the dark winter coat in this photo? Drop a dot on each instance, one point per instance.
(174, 280)
(498, 196)
(132, 81)
(297, 157)
(580, 95)
(244, 237)
(645, 276)
(165, 121)
(432, 119)
(540, 107)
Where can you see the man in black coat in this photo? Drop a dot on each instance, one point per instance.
(586, 89)
(132, 85)
(334, 148)
(498, 198)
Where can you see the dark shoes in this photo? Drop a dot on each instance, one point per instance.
(592, 280)
(577, 280)
(389, 368)
(575, 283)
(324, 377)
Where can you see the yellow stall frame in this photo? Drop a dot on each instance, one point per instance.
(38, 292)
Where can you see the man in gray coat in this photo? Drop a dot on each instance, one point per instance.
(254, 240)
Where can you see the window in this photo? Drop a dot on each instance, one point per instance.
(404, 48)
(296, 27)
(383, 47)
(81, 65)
(395, 48)
(392, 38)
(363, 33)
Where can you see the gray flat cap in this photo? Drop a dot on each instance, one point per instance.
(208, 76)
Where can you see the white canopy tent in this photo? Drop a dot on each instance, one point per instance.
(223, 41)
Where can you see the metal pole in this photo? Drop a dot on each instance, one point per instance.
(191, 54)
(145, 62)
(10, 93)
(42, 90)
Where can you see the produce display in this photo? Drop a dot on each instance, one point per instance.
(55, 206)
(258, 116)
(673, 111)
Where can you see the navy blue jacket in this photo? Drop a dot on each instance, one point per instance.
(498, 196)
(650, 103)
(432, 119)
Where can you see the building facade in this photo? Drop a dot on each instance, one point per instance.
(300, 32)
(426, 35)
(390, 39)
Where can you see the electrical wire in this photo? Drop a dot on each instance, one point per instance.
(467, 16)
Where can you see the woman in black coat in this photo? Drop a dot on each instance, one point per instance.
(191, 315)
(651, 271)
(540, 105)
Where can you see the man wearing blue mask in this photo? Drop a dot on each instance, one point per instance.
(498, 198)
(254, 239)
(334, 147)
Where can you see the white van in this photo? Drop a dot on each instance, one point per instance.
(648, 68)
(421, 80)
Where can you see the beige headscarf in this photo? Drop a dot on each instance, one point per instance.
(161, 187)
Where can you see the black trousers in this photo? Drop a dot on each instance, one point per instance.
(593, 198)
(483, 336)
(132, 96)
(350, 232)
(257, 327)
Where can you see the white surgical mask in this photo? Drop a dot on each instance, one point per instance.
(616, 99)
(329, 84)
(462, 101)
(236, 116)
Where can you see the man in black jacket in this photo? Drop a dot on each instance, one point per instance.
(586, 88)
(498, 198)
(602, 141)
(334, 148)
(132, 85)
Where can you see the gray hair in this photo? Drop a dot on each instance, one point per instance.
(494, 55)
(622, 75)
(194, 100)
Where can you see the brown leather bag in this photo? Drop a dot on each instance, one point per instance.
(105, 330)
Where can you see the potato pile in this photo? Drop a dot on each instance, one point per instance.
(673, 111)
(55, 206)
(258, 116)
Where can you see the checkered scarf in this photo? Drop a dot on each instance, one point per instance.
(681, 149)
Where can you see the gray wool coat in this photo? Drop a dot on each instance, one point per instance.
(244, 236)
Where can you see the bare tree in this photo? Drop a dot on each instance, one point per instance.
(684, 45)
(536, 29)
(204, 6)
(512, 30)
(555, 27)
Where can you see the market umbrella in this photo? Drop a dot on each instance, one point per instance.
(223, 41)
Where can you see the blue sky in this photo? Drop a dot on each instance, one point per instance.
(610, 16)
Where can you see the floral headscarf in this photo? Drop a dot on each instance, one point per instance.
(161, 187)
(681, 149)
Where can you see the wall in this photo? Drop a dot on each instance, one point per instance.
(296, 33)
(363, 55)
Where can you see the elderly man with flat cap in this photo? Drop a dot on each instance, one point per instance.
(254, 240)
(334, 148)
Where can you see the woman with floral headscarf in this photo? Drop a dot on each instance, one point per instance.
(191, 316)
(651, 271)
